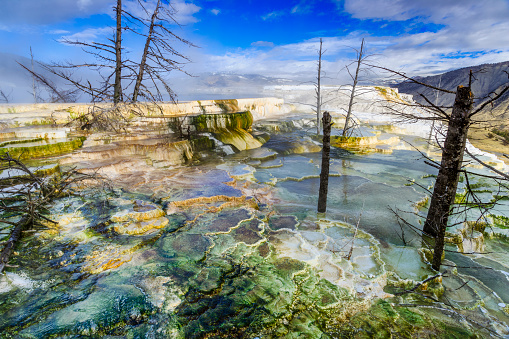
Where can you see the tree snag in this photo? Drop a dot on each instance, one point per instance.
(318, 90)
(448, 175)
(360, 59)
(143, 62)
(324, 174)
(117, 94)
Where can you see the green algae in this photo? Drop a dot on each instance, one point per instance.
(390, 320)
(211, 122)
(202, 108)
(260, 297)
(202, 144)
(41, 122)
(500, 221)
(44, 150)
(23, 141)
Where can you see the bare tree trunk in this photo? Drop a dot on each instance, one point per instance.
(318, 90)
(117, 94)
(22, 225)
(352, 95)
(447, 180)
(143, 62)
(324, 174)
(33, 77)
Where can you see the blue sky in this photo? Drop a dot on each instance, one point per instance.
(280, 38)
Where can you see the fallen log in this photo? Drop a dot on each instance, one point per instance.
(25, 223)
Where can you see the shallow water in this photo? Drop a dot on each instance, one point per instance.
(233, 247)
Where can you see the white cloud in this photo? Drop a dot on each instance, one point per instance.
(182, 12)
(273, 15)
(59, 31)
(215, 11)
(303, 7)
(417, 54)
(49, 11)
(437, 11)
(19, 12)
(262, 44)
(185, 12)
(88, 35)
(470, 32)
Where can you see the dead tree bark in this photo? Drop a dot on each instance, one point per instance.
(24, 224)
(318, 90)
(33, 78)
(324, 174)
(55, 93)
(143, 62)
(352, 94)
(4, 97)
(117, 91)
(447, 180)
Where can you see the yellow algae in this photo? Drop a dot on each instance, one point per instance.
(238, 138)
(228, 202)
(113, 263)
(139, 212)
(389, 94)
(141, 227)
(230, 105)
(422, 203)
(339, 141)
(106, 259)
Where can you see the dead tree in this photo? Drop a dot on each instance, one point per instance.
(458, 122)
(447, 180)
(117, 88)
(318, 89)
(360, 59)
(122, 78)
(108, 64)
(55, 93)
(4, 97)
(324, 174)
(159, 56)
(34, 92)
(25, 197)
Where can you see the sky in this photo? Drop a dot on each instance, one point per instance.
(280, 38)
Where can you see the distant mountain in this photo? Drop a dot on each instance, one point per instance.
(489, 78)
(222, 85)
